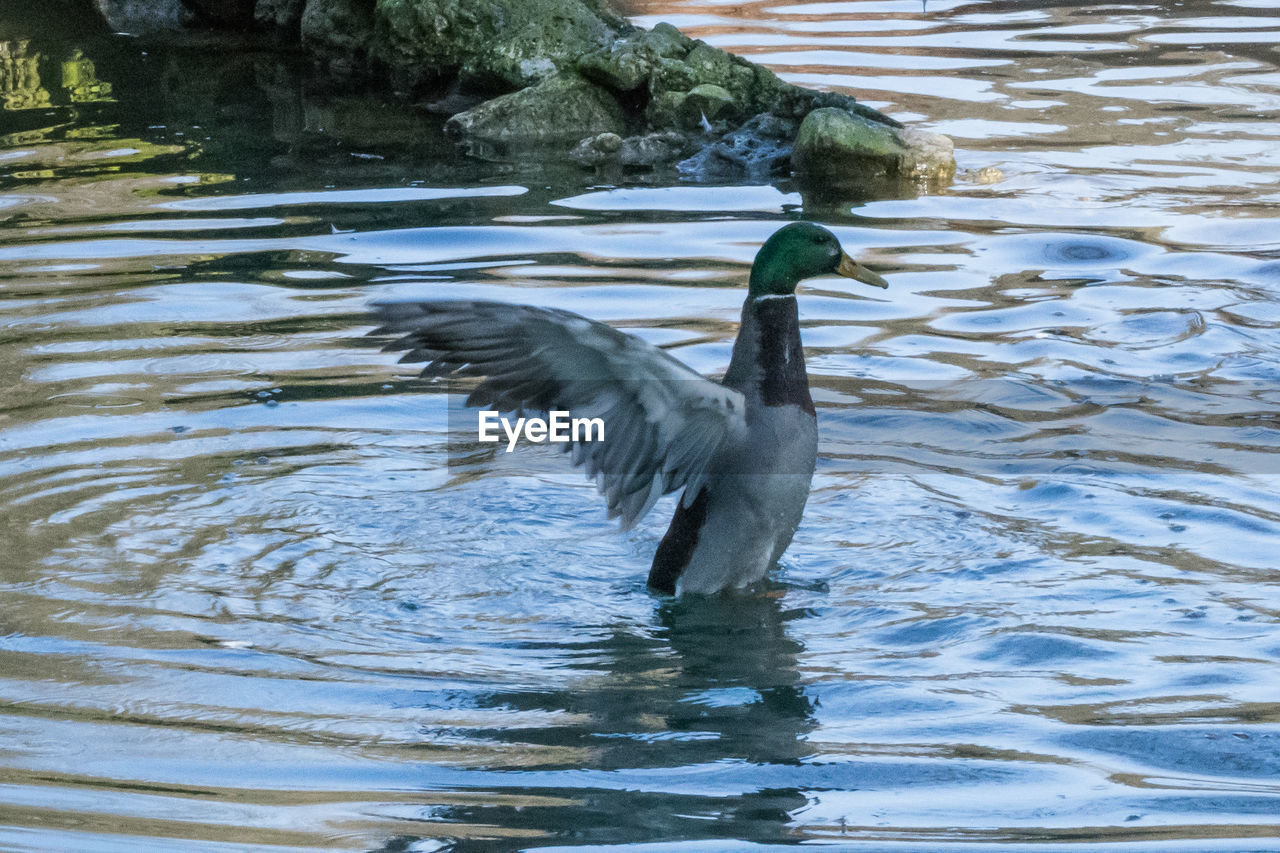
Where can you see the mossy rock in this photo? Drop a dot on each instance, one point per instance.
(666, 110)
(707, 101)
(624, 68)
(492, 43)
(665, 41)
(597, 150)
(654, 150)
(671, 75)
(834, 146)
(558, 111)
(709, 65)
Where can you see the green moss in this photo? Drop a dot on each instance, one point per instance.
(707, 101)
(666, 41)
(671, 75)
(625, 68)
(709, 65)
(560, 110)
(501, 43)
(666, 110)
(832, 144)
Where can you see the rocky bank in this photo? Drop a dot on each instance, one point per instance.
(568, 77)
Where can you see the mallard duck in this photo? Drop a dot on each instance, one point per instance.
(742, 449)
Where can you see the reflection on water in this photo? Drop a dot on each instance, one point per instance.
(246, 603)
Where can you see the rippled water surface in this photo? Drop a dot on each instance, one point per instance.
(245, 603)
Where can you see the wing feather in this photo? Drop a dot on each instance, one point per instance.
(663, 421)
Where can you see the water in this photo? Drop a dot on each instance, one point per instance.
(246, 605)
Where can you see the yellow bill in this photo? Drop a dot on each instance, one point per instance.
(849, 268)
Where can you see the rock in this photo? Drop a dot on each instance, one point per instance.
(930, 156)
(666, 110)
(757, 149)
(765, 85)
(709, 65)
(624, 68)
(795, 102)
(666, 41)
(500, 44)
(836, 147)
(671, 75)
(832, 143)
(707, 101)
(596, 150)
(647, 151)
(653, 150)
(559, 110)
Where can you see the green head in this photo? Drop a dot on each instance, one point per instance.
(803, 250)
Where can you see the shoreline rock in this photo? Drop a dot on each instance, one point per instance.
(561, 110)
(831, 144)
(569, 78)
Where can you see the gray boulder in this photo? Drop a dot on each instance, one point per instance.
(558, 111)
(596, 150)
(653, 150)
(835, 146)
(502, 44)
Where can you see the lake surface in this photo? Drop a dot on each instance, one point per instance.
(246, 602)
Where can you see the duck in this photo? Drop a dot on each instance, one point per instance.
(741, 450)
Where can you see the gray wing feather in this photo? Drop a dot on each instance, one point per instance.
(663, 421)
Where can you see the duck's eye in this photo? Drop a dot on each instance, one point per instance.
(820, 239)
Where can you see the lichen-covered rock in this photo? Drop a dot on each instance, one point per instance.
(624, 69)
(833, 142)
(666, 41)
(708, 102)
(671, 75)
(931, 156)
(644, 151)
(653, 150)
(834, 146)
(596, 150)
(692, 85)
(795, 102)
(666, 110)
(560, 110)
(567, 72)
(709, 65)
(502, 44)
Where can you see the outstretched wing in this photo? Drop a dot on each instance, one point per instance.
(662, 421)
